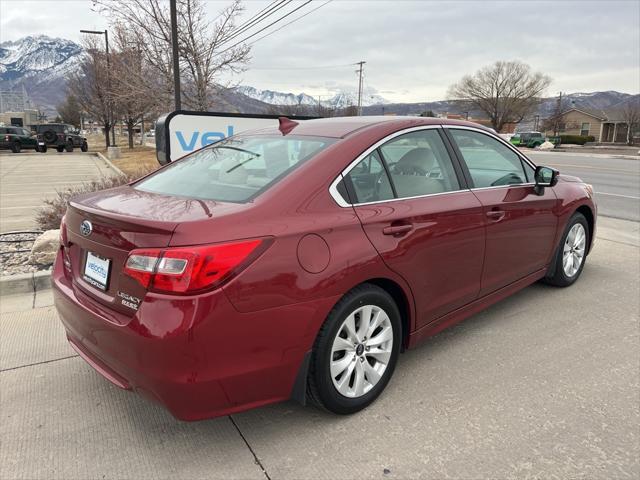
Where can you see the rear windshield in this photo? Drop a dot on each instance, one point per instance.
(50, 127)
(234, 170)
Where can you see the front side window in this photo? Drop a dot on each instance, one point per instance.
(419, 164)
(489, 162)
(235, 169)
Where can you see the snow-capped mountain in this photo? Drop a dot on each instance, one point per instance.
(277, 98)
(341, 99)
(41, 64)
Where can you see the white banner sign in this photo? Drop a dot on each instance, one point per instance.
(180, 133)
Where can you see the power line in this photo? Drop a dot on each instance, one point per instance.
(256, 19)
(293, 21)
(264, 28)
(318, 67)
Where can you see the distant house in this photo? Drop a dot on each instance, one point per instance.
(605, 126)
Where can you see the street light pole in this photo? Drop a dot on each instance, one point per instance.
(110, 104)
(176, 58)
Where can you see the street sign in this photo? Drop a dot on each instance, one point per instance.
(182, 132)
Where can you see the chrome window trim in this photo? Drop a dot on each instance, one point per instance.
(510, 185)
(333, 188)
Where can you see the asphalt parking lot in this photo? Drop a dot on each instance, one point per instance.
(26, 179)
(545, 384)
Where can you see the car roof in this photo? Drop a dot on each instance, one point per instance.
(341, 127)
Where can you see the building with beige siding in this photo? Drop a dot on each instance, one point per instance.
(604, 126)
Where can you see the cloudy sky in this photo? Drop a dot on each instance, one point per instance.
(414, 49)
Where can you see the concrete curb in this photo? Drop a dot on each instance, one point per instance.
(25, 283)
(110, 164)
(578, 154)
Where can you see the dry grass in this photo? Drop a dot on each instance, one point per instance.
(50, 214)
(140, 159)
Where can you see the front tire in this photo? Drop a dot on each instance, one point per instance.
(356, 351)
(572, 252)
(60, 148)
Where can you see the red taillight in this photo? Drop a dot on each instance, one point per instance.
(63, 231)
(191, 269)
(64, 242)
(7, 138)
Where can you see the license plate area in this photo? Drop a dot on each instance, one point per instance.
(97, 270)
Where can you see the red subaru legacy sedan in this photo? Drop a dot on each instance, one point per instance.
(297, 263)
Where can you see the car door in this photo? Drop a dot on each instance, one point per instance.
(29, 139)
(417, 212)
(521, 225)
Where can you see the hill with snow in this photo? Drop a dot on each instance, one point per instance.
(41, 64)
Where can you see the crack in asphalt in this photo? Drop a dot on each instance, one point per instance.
(37, 363)
(255, 457)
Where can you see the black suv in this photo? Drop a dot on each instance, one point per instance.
(17, 138)
(61, 136)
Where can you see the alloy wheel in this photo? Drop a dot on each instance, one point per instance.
(361, 351)
(573, 251)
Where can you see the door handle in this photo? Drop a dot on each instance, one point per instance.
(496, 215)
(397, 229)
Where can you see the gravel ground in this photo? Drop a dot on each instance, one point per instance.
(15, 249)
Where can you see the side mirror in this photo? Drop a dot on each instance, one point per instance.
(545, 177)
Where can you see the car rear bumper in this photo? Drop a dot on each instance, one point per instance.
(197, 356)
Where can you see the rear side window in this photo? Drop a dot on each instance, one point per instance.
(369, 180)
(234, 170)
(490, 163)
(411, 165)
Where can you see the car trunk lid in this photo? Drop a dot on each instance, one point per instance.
(103, 227)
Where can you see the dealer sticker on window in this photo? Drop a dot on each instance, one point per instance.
(96, 271)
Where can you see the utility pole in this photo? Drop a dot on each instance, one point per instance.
(176, 58)
(113, 120)
(359, 72)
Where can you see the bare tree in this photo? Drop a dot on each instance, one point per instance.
(206, 49)
(631, 116)
(70, 110)
(556, 122)
(505, 91)
(89, 85)
(132, 83)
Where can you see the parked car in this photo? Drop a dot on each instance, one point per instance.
(17, 138)
(299, 262)
(61, 136)
(528, 139)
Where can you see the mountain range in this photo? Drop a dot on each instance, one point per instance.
(41, 64)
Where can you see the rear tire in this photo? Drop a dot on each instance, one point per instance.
(15, 148)
(69, 147)
(60, 148)
(571, 253)
(84, 147)
(356, 351)
(42, 149)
